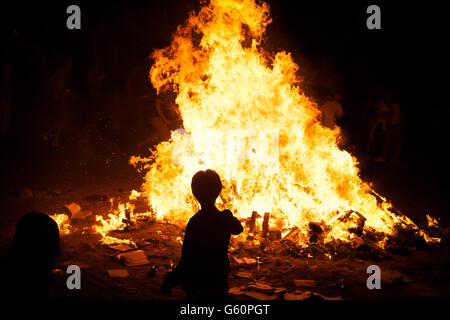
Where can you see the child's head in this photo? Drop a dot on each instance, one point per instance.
(206, 187)
(36, 239)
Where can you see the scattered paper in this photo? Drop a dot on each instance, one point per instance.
(118, 273)
(133, 258)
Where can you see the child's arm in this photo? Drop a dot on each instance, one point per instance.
(234, 224)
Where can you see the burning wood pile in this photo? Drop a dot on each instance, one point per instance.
(245, 116)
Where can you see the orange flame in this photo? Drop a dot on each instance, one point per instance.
(246, 116)
(63, 222)
(229, 91)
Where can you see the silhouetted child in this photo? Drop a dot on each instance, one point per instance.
(30, 258)
(204, 266)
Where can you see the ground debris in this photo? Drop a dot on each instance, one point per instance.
(74, 208)
(133, 258)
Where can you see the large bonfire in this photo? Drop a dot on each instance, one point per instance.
(245, 116)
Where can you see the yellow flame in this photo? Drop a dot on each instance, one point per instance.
(432, 222)
(63, 222)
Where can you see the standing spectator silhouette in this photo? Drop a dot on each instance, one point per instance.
(332, 111)
(383, 117)
(30, 258)
(394, 134)
(204, 266)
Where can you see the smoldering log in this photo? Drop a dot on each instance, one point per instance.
(265, 225)
(252, 222)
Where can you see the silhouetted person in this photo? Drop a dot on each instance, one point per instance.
(332, 111)
(30, 258)
(204, 266)
(383, 110)
(394, 134)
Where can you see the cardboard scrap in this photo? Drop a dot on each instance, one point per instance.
(74, 208)
(305, 283)
(133, 258)
(118, 273)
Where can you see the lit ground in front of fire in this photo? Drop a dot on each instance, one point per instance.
(92, 183)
